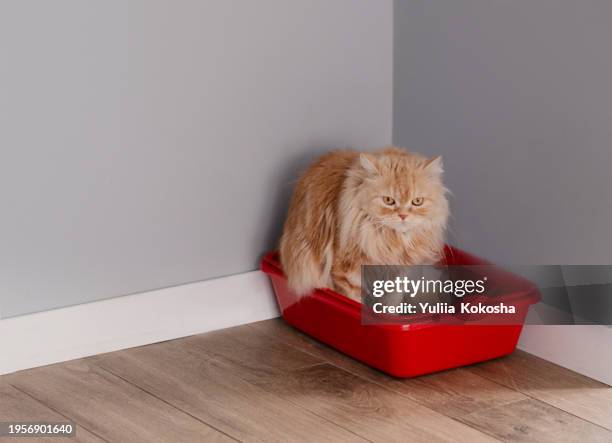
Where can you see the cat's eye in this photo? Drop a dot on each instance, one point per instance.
(388, 201)
(417, 201)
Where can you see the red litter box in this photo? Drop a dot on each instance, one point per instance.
(402, 350)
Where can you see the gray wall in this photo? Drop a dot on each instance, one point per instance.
(517, 96)
(149, 143)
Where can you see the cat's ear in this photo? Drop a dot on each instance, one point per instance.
(434, 165)
(368, 163)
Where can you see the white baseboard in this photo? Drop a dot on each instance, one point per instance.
(584, 349)
(134, 320)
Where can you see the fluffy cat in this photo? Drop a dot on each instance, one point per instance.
(388, 207)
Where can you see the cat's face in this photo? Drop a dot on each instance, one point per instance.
(403, 191)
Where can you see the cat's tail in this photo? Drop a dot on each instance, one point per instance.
(304, 270)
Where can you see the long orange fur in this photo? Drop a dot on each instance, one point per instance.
(339, 218)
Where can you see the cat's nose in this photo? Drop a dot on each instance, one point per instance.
(403, 216)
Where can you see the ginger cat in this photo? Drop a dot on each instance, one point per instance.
(388, 207)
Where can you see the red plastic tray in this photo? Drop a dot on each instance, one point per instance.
(402, 350)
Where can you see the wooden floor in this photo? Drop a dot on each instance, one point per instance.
(268, 382)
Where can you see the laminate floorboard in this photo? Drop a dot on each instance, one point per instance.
(269, 382)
